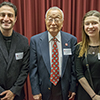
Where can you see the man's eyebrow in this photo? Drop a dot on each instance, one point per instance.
(55, 16)
(5, 13)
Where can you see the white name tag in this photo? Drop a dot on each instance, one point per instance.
(98, 56)
(19, 55)
(67, 51)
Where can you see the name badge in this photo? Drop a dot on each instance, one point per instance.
(67, 51)
(98, 56)
(19, 55)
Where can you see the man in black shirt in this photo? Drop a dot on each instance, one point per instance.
(14, 55)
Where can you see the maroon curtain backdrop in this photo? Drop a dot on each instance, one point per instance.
(31, 15)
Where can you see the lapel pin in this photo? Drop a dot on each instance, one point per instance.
(66, 44)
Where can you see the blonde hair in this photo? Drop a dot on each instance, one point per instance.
(85, 38)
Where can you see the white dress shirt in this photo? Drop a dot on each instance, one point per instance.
(59, 44)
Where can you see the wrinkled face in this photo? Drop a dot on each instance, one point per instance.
(54, 21)
(7, 17)
(92, 26)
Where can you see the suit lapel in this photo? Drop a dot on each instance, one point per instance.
(65, 40)
(3, 47)
(44, 46)
(12, 48)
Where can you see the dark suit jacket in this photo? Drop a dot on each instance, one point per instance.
(40, 66)
(13, 73)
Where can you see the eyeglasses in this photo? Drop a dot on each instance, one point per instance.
(56, 20)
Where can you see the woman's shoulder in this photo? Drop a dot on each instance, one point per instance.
(78, 48)
(78, 45)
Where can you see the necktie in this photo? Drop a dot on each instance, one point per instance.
(54, 76)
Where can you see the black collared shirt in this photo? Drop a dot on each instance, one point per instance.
(7, 40)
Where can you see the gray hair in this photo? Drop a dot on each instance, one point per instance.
(55, 8)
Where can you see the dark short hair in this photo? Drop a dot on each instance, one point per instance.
(11, 5)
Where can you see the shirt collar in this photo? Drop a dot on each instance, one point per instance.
(58, 36)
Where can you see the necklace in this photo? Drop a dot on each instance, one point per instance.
(93, 49)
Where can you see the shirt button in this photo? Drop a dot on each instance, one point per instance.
(49, 88)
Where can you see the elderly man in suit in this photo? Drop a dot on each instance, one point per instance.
(52, 73)
(14, 55)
